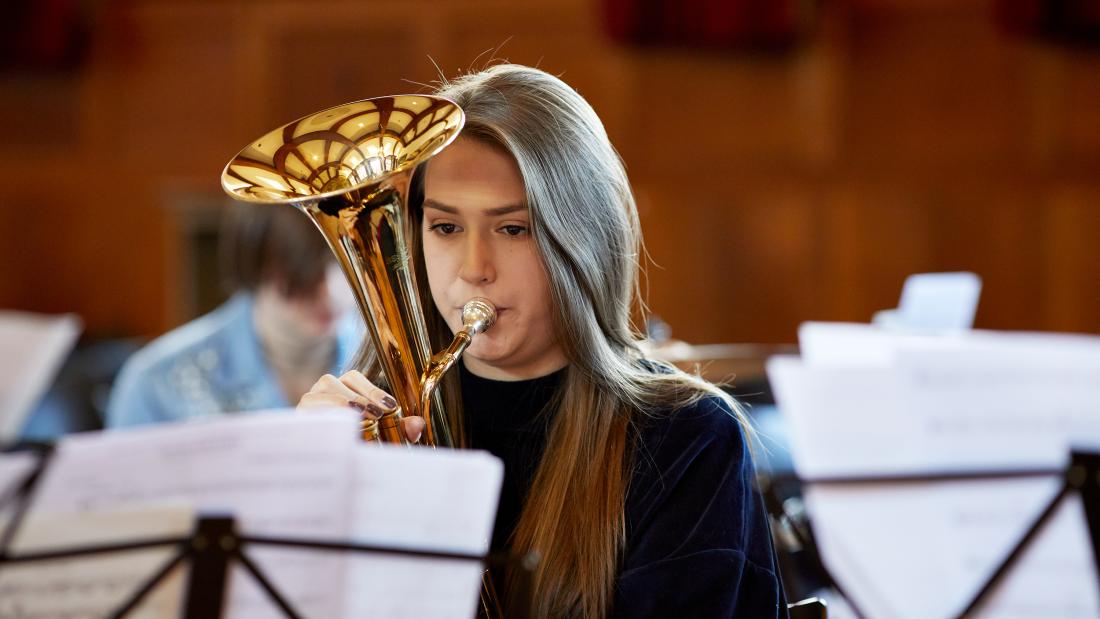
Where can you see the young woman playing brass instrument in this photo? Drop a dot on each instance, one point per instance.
(632, 480)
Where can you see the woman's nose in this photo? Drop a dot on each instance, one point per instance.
(477, 263)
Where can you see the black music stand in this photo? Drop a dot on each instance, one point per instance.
(1082, 476)
(210, 547)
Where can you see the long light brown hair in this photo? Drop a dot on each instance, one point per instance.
(585, 225)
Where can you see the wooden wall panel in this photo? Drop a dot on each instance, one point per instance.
(707, 115)
(872, 236)
(39, 115)
(994, 229)
(322, 65)
(938, 92)
(156, 109)
(904, 136)
(1079, 133)
(1070, 296)
(722, 262)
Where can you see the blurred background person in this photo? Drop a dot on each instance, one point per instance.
(286, 323)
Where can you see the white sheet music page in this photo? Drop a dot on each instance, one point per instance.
(94, 586)
(437, 499)
(32, 348)
(279, 474)
(14, 469)
(864, 402)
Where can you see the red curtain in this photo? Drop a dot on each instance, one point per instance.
(1074, 22)
(710, 23)
(43, 34)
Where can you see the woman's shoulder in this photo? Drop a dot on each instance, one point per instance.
(704, 438)
(213, 330)
(707, 427)
(710, 412)
(701, 402)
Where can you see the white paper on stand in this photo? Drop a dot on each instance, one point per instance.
(303, 477)
(15, 467)
(863, 402)
(450, 508)
(32, 349)
(94, 586)
(278, 474)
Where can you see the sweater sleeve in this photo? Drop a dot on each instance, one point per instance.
(698, 541)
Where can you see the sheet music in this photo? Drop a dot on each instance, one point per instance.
(862, 401)
(867, 402)
(1048, 579)
(279, 474)
(452, 509)
(14, 469)
(939, 300)
(923, 550)
(92, 587)
(300, 476)
(34, 347)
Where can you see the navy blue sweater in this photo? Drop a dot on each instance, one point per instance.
(697, 537)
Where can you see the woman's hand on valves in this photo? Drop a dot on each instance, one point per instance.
(354, 390)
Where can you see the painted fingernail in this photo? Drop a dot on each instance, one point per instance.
(374, 411)
(356, 405)
(389, 402)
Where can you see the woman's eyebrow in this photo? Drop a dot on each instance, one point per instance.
(504, 210)
(491, 212)
(432, 204)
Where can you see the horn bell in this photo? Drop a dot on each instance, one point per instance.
(349, 169)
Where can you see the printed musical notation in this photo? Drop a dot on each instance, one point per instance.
(280, 475)
(864, 402)
(92, 587)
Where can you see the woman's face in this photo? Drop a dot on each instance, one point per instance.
(477, 243)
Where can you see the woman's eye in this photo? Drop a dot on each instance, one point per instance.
(443, 228)
(513, 230)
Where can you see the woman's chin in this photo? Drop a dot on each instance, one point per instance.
(485, 355)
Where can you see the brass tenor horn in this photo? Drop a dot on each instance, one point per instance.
(349, 169)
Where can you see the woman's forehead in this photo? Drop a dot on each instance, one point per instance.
(468, 174)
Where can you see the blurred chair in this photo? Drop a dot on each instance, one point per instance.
(77, 400)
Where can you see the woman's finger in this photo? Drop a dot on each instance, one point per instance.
(414, 427)
(342, 395)
(359, 383)
(318, 399)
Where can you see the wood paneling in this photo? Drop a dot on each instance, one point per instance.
(905, 136)
(1071, 258)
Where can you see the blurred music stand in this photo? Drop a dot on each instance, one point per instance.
(1082, 476)
(213, 542)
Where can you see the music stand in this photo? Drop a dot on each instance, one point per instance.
(1082, 475)
(213, 542)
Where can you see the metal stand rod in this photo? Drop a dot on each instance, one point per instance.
(212, 543)
(151, 583)
(1083, 477)
(21, 494)
(272, 592)
(1016, 551)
